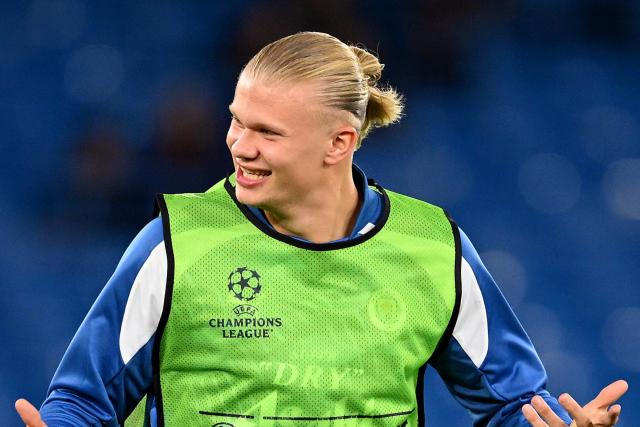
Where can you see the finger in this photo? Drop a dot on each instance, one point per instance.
(610, 394)
(614, 412)
(29, 414)
(603, 417)
(574, 409)
(532, 416)
(546, 412)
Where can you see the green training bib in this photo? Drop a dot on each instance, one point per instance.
(266, 330)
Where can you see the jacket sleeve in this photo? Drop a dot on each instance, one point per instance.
(107, 368)
(489, 365)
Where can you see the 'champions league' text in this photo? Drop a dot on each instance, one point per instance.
(246, 328)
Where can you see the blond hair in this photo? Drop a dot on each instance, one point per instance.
(349, 76)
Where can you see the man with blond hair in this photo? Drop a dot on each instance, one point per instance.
(297, 292)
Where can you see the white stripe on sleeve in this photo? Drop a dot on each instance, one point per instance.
(471, 330)
(145, 303)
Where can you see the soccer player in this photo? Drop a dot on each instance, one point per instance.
(297, 292)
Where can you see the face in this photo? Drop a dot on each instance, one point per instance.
(279, 139)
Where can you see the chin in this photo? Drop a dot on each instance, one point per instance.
(246, 198)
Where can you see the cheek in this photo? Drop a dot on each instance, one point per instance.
(304, 164)
(314, 153)
(230, 138)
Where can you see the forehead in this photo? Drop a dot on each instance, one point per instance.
(257, 92)
(288, 105)
(294, 102)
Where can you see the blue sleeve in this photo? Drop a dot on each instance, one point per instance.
(507, 373)
(93, 385)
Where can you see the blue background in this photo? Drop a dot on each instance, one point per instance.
(522, 120)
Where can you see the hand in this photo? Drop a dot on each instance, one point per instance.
(597, 413)
(29, 414)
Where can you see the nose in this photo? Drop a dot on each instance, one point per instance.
(242, 144)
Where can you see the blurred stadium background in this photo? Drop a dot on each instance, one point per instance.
(522, 120)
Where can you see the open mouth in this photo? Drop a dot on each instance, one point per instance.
(254, 174)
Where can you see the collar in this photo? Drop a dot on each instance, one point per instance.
(372, 215)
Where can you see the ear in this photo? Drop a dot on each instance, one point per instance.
(343, 143)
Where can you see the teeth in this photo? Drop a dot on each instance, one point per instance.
(254, 175)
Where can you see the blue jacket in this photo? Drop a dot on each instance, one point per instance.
(489, 363)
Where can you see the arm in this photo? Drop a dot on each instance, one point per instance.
(489, 364)
(107, 368)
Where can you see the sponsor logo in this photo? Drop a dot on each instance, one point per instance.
(309, 375)
(244, 284)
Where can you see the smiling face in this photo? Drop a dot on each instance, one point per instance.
(279, 138)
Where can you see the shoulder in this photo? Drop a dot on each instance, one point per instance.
(145, 242)
(147, 257)
(419, 217)
(404, 199)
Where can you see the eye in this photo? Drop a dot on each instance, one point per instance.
(234, 120)
(268, 132)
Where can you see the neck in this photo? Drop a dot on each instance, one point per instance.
(330, 217)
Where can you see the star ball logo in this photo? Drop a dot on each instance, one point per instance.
(244, 284)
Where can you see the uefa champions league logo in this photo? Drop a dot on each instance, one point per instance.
(244, 284)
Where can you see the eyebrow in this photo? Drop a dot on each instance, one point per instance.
(260, 125)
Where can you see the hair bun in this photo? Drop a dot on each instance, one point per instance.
(384, 105)
(369, 64)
